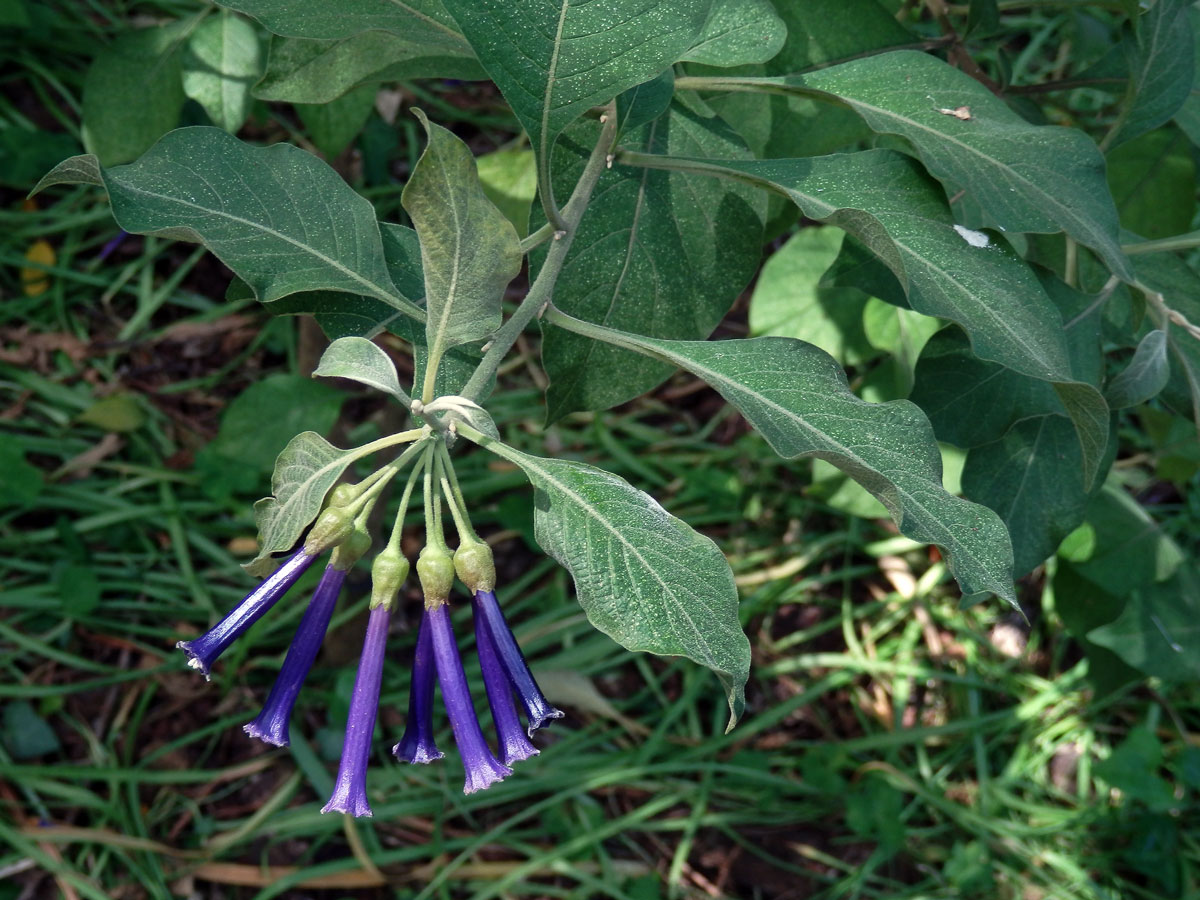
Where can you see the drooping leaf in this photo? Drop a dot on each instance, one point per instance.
(739, 32)
(553, 59)
(333, 125)
(789, 301)
(1024, 178)
(660, 253)
(1161, 69)
(469, 250)
(222, 59)
(304, 473)
(1158, 632)
(797, 397)
(642, 576)
(1145, 376)
(281, 219)
(1179, 286)
(132, 94)
(361, 360)
(311, 71)
(1030, 477)
(950, 272)
(1152, 179)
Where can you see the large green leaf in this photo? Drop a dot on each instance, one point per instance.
(223, 58)
(1161, 69)
(421, 22)
(363, 361)
(664, 254)
(642, 576)
(469, 250)
(1188, 116)
(797, 397)
(1030, 477)
(1024, 178)
(968, 277)
(333, 125)
(1158, 632)
(307, 71)
(1152, 179)
(133, 93)
(280, 218)
(739, 32)
(553, 59)
(826, 31)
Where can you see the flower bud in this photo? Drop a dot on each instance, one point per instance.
(331, 528)
(475, 566)
(342, 495)
(351, 550)
(388, 572)
(435, 569)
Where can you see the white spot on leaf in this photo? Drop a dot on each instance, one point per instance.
(974, 238)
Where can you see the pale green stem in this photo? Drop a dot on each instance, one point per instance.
(402, 437)
(434, 535)
(365, 501)
(398, 527)
(1164, 245)
(537, 238)
(454, 496)
(542, 289)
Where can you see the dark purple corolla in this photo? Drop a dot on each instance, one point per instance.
(272, 723)
(417, 744)
(204, 650)
(350, 790)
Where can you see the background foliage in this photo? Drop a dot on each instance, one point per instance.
(894, 745)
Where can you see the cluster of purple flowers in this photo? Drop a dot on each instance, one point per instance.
(505, 672)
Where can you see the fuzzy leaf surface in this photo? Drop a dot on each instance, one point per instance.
(304, 472)
(223, 58)
(1161, 68)
(280, 218)
(642, 576)
(469, 250)
(1145, 375)
(739, 32)
(363, 361)
(554, 59)
(1024, 178)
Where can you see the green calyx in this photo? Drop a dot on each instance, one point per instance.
(475, 565)
(332, 527)
(342, 495)
(352, 549)
(388, 572)
(435, 569)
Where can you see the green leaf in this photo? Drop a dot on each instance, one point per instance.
(789, 301)
(27, 155)
(20, 480)
(1024, 178)
(361, 360)
(304, 473)
(555, 60)
(664, 254)
(642, 576)
(899, 332)
(645, 102)
(951, 272)
(1145, 376)
(1030, 477)
(132, 94)
(222, 59)
(1187, 116)
(509, 178)
(280, 218)
(1179, 286)
(25, 734)
(825, 31)
(469, 250)
(119, 413)
(333, 125)
(1161, 69)
(78, 588)
(739, 32)
(307, 71)
(265, 416)
(797, 397)
(419, 21)
(1152, 179)
(1159, 630)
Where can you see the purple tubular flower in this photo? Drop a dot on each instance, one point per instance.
(417, 745)
(204, 650)
(350, 791)
(272, 723)
(488, 614)
(482, 768)
(514, 745)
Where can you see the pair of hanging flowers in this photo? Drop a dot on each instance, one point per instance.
(341, 527)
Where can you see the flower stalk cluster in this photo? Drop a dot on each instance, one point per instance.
(508, 682)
